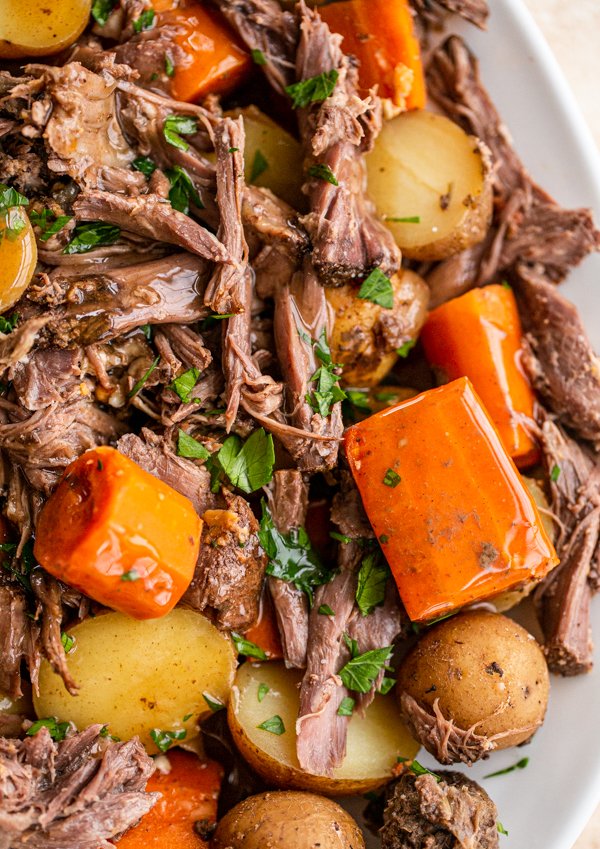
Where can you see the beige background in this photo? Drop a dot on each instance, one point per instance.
(572, 28)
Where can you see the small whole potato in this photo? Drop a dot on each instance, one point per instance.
(287, 820)
(483, 674)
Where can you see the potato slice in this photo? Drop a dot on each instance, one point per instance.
(374, 743)
(141, 675)
(425, 167)
(18, 256)
(40, 29)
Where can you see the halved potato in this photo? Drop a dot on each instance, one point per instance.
(425, 167)
(137, 676)
(18, 256)
(374, 742)
(33, 28)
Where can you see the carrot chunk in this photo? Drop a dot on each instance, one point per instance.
(453, 516)
(190, 791)
(119, 535)
(478, 336)
(381, 35)
(209, 57)
(265, 633)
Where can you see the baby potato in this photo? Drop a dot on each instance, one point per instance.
(366, 336)
(425, 167)
(137, 676)
(374, 742)
(18, 256)
(287, 820)
(485, 672)
(40, 29)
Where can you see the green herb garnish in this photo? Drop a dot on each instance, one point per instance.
(145, 165)
(372, 579)
(323, 172)
(274, 725)
(169, 66)
(405, 349)
(519, 765)
(176, 126)
(58, 730)
(346, 706)
(386, 685)
(67, 641)
(259, 166)
(362, 670)
(7, 325)
(249, 465)
(101, 10)
(391, 478)
(501, 829)
(142, 381)
(214, 704)
(92, 235)
(165, 739)
(263, 689)
(377, 288)
(555, 473)
(325, 610)
(258, 57)
(184, 384)
(312, 90)
(418, 769)
(48, 222)
(182, 191)
(327, 390)
(409, 219)
(245, 647)
(145, 20)
(187, 446)
(130, 575)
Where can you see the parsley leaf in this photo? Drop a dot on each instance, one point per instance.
(327, 390)
(101, 10)
(19, 567)
(391, 478)
(405, 349)
(58, 730)
(165, 739)
(145, 20)
(372, 580)
(145, 165)
(312, 90)
(130, 575)
(377, 288)
(184, 384)
(15, 223)
(258, 57)
(67, 641)
(48, 222)
(555, 473)
(386, 685)
(410, 219)
(418, 769)
(142, 381)
(214, 704)
(187, 446)
(7, 325)
(169, 66)
(501, 829)
(352, 645)
(346, 706)
(263, 689)
(91, 235)
(325, 610)
(248, 466)
(245, 647)
(360, 673)
(176, 126)
(323, 172)
(259, 166)
(291, 556)
(274, 725)
(10, 198)
(182, 190)
(519, 765)
(359, 398)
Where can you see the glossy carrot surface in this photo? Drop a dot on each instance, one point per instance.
(119, 535)
(453, 516)
(190, 791)
(381, 35)
(264, 633)
(478, 336)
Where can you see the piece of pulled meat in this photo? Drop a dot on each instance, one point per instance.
(453, 812)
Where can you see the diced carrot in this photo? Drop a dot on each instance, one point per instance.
(189, 796)
(265, 633)
(214, 59)
(381, 34)
(478, 336)
(453, 516)
(120, 535)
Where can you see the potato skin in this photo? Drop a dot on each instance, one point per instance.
(485, 671)
(287, 820)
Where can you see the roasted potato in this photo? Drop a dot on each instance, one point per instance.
(271, 148)
(18, 256)
(287, 820)
(40, 29)
(425, 169)
(374, 743)
(485, 672)
(137, 676)
(366, 337)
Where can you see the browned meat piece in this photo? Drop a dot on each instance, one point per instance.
(424, 813)
(272, 221)
(263, 25)
(559, 358)
(50, 376)
(47, 592)
(288, 503)
(432, 13)
(148, 51)
(79, 793)
(14, 636)
(348, 240)
(229, 574)
(528, 226)
(563, 598)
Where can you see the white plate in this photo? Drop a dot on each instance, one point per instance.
(546, 805)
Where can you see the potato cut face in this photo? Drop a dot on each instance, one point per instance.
(425, 167)
(141, 675)
(39, 29)
(374, 743)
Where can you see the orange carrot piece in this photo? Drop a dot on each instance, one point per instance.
(478, 336)
(189, 795)
(119, 535)
(265, 633)
(381, 34)
(453, 516)
(209, 57)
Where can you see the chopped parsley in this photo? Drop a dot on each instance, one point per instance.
(189, 447)
(383, 539)
(386, 685)
(377, 288)
(214, 704)
(245, 647)
(67, 641)
(91, 235)
(165, 739)
(405, 349)
(313, 90)
(248, 465)
(263, 689)
(233, 150)
(391, 478)
(346, 706)
(410, 219)
(10, 198)
(101, 10)
(169, 66)
(372, 580)
(274, 725)
(359, 398)
(58, 730)
(501, 829)
(15, 224)
(182, 191)
(130, 575)
(362, 670)
(340, 537)
(176, 126)
(184, 384)
(7, 325)
(258, 57)
(351, 645)
(142, 381)
(48, 222)
(418, 769)
(145, 165)
(327, 390)
(519, 765)
(291, 556)
(259, 166)
(19, 567)
(555, 473)
(325, 610)
(323, 172)
(145, 20)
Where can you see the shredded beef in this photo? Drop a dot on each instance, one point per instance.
(432, 13)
